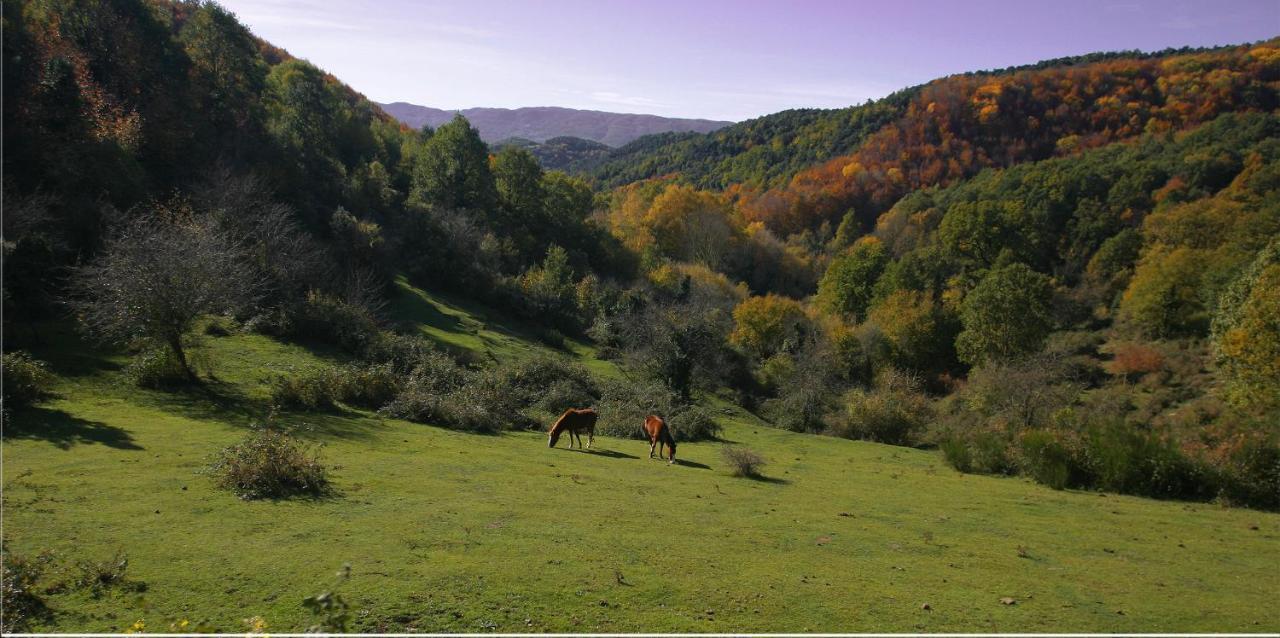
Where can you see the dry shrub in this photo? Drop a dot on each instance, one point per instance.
(270, 463)
(742, 461)
(1133, 360)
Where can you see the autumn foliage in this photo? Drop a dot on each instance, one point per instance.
(959, 125)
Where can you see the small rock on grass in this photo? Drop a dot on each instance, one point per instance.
(1008, 601)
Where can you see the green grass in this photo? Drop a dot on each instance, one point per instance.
(448, 531)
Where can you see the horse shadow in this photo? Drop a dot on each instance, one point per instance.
(613, 454)
(701, 466)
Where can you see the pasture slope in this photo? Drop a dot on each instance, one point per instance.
(448, 531)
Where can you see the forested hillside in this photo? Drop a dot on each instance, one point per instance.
(1063, 271)
(769, 151)
(760, 152)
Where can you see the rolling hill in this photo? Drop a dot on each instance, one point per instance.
(451, 531)
(542, 123)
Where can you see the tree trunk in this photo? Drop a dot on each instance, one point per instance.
(175, 344)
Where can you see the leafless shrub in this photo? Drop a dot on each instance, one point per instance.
(742, 461)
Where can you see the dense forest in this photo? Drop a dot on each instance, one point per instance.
(1069, 271)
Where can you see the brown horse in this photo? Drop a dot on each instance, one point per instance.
(575, 422)
(659, 435)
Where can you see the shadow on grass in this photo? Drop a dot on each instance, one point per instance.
(66, 351)
(613, 454)
(344, 425)
(64, 430)
(410, 306)
(209, 400)
(213, 400)
(701, 466)
(760, 478)
(327, 495)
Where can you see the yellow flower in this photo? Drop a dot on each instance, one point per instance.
(136, 627)
(256, 624)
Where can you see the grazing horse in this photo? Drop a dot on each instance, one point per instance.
(659, 435)
(575, 422)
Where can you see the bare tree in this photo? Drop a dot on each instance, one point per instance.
(157, 274)
(289, 261)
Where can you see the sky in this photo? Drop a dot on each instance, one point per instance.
(716, 59)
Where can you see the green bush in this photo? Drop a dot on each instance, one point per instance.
(1129, 460)
(369, 386)
(156, 369)
(982, 452)
(328, 319)
(694, 424)
(318, 389)
(551, 384)
(895, 411)
(1052, 461)
(440, 391)
(485, 403)
(26, 380)
(270, 463)
(625, 403)
(402, 352)
(1251, 475)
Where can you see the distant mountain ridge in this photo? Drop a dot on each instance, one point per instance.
(542, 123)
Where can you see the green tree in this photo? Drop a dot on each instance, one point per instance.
(1246, 333)
(1164, 298)
(847, 232)
(847, 286)
(306, 110)
(227, 74)
(451, 169)
(1006, 316)
(920, 331)
(766, 325)
(518, 178)
(548, 289)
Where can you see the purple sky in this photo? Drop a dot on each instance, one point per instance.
(720, 59)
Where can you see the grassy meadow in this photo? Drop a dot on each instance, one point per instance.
(449, 531)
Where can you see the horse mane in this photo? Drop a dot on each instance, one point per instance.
(555, 427)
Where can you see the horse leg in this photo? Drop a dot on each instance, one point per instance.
(591, 437)
(652, 444)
